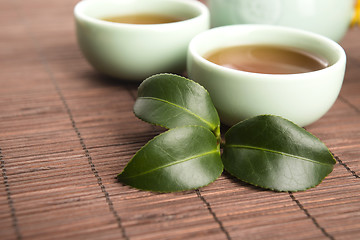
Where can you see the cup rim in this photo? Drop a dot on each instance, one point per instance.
(79, 8)
(259, 27)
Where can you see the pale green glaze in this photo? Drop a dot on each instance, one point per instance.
(330, 18)
(237, 95)
(135, 52)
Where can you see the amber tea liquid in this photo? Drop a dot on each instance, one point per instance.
(269, 59)
(142, 19)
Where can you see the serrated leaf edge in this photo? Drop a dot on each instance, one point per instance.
(180, 190)
(274, 189)
(179, 76)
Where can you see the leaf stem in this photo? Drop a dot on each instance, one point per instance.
(217, 134)
(222, 143)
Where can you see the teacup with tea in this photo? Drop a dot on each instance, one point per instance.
(253, 69)
(133, 39)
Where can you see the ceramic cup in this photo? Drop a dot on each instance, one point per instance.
(302, 98)
(330, 18)
(136, 51)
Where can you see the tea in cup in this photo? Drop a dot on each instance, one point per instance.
(267, 59)
(254, 69)
(133, 39)
(330, 18)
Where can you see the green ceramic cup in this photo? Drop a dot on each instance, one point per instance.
(136, 51)
(302, 98)
(330, 18)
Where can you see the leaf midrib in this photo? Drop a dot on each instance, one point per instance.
(171, 164)
(185, 109)
(280, 153)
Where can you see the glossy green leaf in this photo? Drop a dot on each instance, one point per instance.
(182, 158)
(171, 101)
(274, 153)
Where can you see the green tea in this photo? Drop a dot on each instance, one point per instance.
(143, 18)
(269, 59)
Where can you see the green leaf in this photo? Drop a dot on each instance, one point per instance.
(180, 159)
(274, 153)
(171, 101)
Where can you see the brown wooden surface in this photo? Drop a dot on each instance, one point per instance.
(67, 131)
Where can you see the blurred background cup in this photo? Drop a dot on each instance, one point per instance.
(330, 18)
(237, 95)
(136, 51)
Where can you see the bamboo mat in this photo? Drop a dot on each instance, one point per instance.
(67, 131)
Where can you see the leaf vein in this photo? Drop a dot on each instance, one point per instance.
(185, 109)
(278, 152)
(171, 164)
